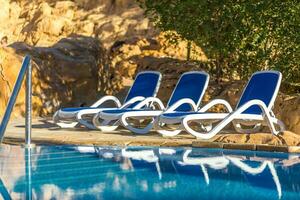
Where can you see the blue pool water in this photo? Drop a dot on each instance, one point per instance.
(69, 172)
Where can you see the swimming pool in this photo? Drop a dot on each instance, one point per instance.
(71, 172)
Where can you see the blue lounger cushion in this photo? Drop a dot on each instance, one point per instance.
(262, 86)
(76, 109)
(144, 85)
(192, 86)
(177, 114)
(120, 111)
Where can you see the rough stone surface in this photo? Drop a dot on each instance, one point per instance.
(128, 57)
(289, 111)
(66, 73)
(45, 22)
(10, 65)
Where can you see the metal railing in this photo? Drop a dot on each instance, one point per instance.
(25, 70)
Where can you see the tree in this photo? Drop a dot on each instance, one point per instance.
(237, 36)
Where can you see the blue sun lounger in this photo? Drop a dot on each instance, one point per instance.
(145, 85)
(186, 97)
(254, 109)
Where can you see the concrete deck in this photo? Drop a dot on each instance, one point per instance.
(45, 132)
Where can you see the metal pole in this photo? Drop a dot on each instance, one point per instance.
(28, 107)
(13, 97)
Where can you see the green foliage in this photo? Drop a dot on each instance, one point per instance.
(238, 37)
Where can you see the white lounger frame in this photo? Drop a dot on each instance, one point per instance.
(236, 117)
(72, 119)
(155, 113)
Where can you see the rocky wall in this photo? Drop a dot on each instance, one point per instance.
(45, 22)
(65, 74)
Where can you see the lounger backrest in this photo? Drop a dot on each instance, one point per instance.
(191, 85)
(146, 84)
(264, 86)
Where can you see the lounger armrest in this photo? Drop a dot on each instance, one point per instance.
(133, 100)
(265, 111)
(150, 101)
(105, 99)
(253, 102)
(181, 102)
(216, 102)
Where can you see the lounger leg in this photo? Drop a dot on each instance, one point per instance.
(61, 124)
(104, 125)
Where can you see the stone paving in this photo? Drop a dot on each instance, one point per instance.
(45, 132)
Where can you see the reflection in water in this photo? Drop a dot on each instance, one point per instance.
(144, 155)
(28, 173)
(3, 191)
(221, 162)
(218, 162)
(148, 173)
(258, 170)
